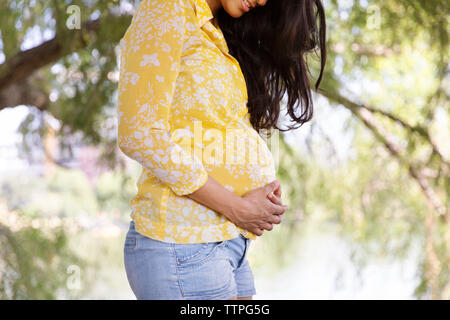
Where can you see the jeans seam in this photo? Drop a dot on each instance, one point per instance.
(226, 289)
(180, 286)
(189, 262)
(244, 254)
(246, 293)
(182, 260)
(129, 259)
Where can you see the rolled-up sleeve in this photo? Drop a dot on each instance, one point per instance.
(150, 58)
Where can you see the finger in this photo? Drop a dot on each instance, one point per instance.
(270, 187)
(277, 191)
(276, 219)
(267, 226)
(258, 232)
(277, 209)
(275, 199)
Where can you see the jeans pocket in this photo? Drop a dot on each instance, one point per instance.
(204, 270)
(195, 253)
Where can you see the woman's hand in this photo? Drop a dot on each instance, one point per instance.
(255, 211)
(275, 196)
(262, 207)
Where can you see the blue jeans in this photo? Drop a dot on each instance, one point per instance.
(193, 271)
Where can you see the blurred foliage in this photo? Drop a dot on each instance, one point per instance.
(68, 193)
(34, 262)
(114, 191)
(45, 243)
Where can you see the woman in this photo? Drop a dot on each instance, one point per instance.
(184, 107)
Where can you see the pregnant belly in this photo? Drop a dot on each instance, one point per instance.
(241, 179)
(252, 168)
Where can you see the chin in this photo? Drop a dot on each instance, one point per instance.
(233, 8)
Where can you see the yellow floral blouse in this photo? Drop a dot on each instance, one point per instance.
(182, 115)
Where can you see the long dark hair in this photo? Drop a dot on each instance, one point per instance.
(270, 43)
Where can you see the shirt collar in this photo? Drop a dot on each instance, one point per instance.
(203, 11)
(204, 14)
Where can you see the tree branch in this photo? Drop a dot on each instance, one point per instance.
(377, 50)
(26, 92)
(22, 65)
(416, 129)
(367, 117)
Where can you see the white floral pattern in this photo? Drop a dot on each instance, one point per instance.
(175, 71)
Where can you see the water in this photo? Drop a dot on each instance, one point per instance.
(322, 269)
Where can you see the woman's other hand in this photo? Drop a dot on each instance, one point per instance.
(262, 207)
(255, 211)
(275, 196)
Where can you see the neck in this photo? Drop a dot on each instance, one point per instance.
(214, 5)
